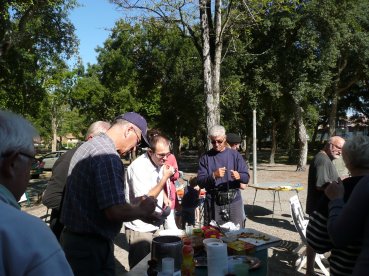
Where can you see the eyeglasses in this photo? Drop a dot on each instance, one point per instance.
(31, 157)
(162, 155)
(217, 141)
(138, 137)
(337, 147)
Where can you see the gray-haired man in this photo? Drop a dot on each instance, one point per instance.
(27, 246)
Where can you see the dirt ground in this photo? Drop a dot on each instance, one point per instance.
(260, 216)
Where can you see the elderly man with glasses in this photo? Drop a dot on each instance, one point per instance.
(222, 169)
(146, 176)
(321, 172)
(94, 205)
(27, 246)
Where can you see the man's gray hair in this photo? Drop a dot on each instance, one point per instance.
(355, 152)
(217, 130)
(16, 133)
(96, 128)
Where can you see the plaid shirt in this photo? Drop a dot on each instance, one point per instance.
(95, 182)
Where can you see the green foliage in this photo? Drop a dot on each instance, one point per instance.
(149, 68)
(34, 35)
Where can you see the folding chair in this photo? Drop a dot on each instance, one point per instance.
(25, 197)
(301, 224)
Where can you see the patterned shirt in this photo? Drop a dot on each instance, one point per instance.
(95, 182)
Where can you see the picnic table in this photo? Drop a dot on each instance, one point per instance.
(260, 252)
(276, 187)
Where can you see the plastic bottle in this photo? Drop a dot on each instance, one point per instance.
(188, 264)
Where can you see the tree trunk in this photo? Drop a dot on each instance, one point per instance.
(302, 139)
(315, 134)
(274, 142)
(200, 142)
(54, 128)
(333, 115)
(211, 64)
(248, 149)
(217, 60)
(176, 147)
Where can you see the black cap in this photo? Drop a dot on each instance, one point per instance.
(233, 138)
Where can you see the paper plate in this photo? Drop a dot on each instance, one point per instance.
(172, 232)
(252, 262)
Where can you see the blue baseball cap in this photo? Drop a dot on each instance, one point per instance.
(138, 121)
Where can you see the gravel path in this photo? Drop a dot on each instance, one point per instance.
(281, 258)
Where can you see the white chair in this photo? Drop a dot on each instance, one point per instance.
(25, 197)
(301, 224)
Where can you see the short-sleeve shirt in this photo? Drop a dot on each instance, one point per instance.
(321, 171)
(95, 182)
(142, 175)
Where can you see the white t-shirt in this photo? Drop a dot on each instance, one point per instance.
(141, 176)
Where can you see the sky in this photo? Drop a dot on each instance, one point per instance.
(93, 21)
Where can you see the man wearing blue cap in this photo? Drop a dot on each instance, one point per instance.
(94, 204)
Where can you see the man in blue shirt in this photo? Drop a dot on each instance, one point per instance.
(27, 246)
(223, 168)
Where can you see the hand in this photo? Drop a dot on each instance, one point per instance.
(219, 173)
(168, 171)
(154, 219)
(147, 205)
(235, 175)
(167, 201)
(243, 186)
(335, 190)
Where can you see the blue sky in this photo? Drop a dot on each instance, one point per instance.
(93, 21)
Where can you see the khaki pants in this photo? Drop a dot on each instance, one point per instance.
(139, 245)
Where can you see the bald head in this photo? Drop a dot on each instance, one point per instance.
(96, 128)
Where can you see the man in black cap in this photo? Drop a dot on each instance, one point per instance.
(94, 204)
(234, 141)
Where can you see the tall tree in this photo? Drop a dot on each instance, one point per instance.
(33, 36)
(344, 26)
(150, 68)
(213, 21)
